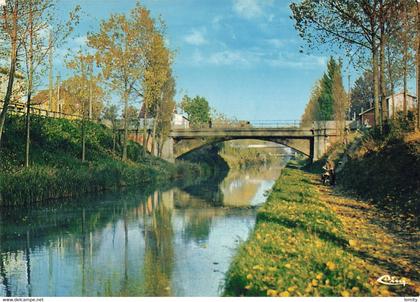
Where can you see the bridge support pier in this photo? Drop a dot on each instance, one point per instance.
(319, 144)
(168, 150)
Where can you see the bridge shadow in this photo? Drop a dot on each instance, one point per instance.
(208, 189)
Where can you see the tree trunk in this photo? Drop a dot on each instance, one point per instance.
(90, 89)
(30, 84)
(384, 110)
(50, 73)
(405, 62)
(83, 137)
(57, 105)
(155, 121)
(145, 126)
(124, 155)
(160, 145)
(418, 65)
(391, 81)
(378, 121)
(12, 70)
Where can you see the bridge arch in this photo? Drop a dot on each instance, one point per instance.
(184, 147)
(310, 142)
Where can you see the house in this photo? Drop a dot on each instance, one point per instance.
(366, 118)
(19, 88)
(396, 101)
(394, 104)
(40, 100)
(180, 121)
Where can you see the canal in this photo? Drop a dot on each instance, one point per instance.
(137, 242)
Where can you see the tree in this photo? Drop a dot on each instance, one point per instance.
(155, 76)
(321, 103)
(167, 108)
(418, 62)
(362, 93)
(120, 45)
(81, 88)
(12, 24)
(353, 25)
(312, 110)
(40, 18)
(341, 102)
(198, 110)
(74, 99)
(326, 100)
(110, 113)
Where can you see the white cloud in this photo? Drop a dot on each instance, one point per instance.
(228, 57)
(297, 61)
(277, 43)
(247, 8)
(196, 37)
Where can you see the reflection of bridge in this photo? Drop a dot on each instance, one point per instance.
(311, 142)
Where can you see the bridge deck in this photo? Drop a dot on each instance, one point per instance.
(286, 132)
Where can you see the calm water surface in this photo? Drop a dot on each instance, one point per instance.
(174, 243)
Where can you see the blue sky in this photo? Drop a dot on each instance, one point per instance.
(242, 55)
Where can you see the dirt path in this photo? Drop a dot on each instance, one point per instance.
(388, 243)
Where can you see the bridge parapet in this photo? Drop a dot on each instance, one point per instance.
(311, 141)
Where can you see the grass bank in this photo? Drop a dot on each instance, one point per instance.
(299, 248)
(56, 170)
(385, 169)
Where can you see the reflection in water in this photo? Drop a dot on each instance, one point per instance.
(173, 243)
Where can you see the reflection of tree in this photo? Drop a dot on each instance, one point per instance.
(4, 279)
(28, 264)
(158, 261)
(208, 190)
(197, 228)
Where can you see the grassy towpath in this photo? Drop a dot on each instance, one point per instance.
(312, 241)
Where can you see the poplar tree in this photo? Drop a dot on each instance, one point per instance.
(341, 102)
(120, 46)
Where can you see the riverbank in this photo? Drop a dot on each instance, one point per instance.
(384, 169)
(309, 241)
(56, 170)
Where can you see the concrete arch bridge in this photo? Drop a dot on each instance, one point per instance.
(310, 141)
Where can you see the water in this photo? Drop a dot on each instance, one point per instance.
(174, 243)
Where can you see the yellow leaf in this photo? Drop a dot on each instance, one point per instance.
(284, 294)
(345, 293)
(287, 265)
(319, 276)
(249, 276)
(352, 243)
(314, 282)
(331, 265)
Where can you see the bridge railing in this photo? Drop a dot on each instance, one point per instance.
(246, 124)
(275, 123)
(20, 109)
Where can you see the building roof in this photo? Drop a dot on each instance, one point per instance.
(40, 98)
(366, 111)
(402, 92)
